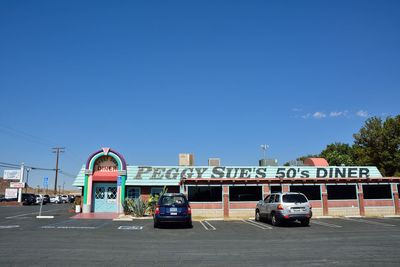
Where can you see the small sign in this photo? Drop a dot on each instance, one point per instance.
(119, 181)
(12, 174)
(45, 182)
(11, 193)
(17, 185)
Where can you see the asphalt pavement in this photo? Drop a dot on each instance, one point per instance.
(63, 241)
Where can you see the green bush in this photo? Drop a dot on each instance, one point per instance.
(136, 207)
(153, 199)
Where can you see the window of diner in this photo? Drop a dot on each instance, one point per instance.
(205, 193)
(276, 188)
(312, 192)
(377, 191)
(341, 192)
(156, 191)
(245, 193)
(132, 192)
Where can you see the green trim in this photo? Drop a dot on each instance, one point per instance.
(85, 192)
(111, 154)
(123, 188)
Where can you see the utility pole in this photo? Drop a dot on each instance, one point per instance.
(57, 150)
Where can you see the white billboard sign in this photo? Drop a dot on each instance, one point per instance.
(12, 174)
(17, 185)
(11, 193)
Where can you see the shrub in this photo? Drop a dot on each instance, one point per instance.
(136, 207)
(152, 202)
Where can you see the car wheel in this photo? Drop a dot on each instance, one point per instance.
(305, 222)
(257, 217)
(156, 224)
(189, 225)
(274, 220)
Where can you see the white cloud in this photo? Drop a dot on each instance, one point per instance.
(306, 116)
(338, 113)
(296, 109)
(362, 113)
(319, 115)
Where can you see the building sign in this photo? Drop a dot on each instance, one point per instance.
(150, 172)
(106, 164)
(12, 174)
(11, 193)
(17, 185)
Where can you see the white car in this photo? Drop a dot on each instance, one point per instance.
(55, 199)
(38, 199)
(64, 199)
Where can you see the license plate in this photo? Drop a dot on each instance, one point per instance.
(174, 213)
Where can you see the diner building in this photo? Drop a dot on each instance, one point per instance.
(106, 180)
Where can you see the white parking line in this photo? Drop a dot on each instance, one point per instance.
(36, 212)
(127, 227)
(68, 227)
(8, 226)
(369, 222)
(208, 226)
(326, 224)
(257, 224)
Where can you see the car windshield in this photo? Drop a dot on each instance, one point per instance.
(294, 198)
(172, 200)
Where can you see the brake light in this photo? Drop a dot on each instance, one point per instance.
(189, 210)
(280, 207)
(157, 211)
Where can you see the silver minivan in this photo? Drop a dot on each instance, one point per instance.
(279, 207)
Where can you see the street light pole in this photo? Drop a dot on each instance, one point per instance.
(21, 179)
(264, 149)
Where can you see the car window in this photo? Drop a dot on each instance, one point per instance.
(271, 199)
(277, 197)
(173, 200)
(294, 198)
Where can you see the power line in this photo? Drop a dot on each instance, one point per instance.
(28, 137)
(10, 164)
(67, 174)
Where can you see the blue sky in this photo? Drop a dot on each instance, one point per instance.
(152, 79)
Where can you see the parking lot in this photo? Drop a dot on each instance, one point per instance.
(63, 241)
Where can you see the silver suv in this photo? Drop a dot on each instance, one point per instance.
(279, 207)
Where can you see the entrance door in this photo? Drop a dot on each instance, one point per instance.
(105, 197)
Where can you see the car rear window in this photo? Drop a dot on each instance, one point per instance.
(294, 199)
(172, 200)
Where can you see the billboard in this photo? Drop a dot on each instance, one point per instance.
(11, 193)
(12, 174)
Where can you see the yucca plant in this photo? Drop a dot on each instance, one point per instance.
(137, 207)
(127, 204)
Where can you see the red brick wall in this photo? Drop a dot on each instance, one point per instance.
(378, 203)
(210, 205)
(243, 205)
(342, 203)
